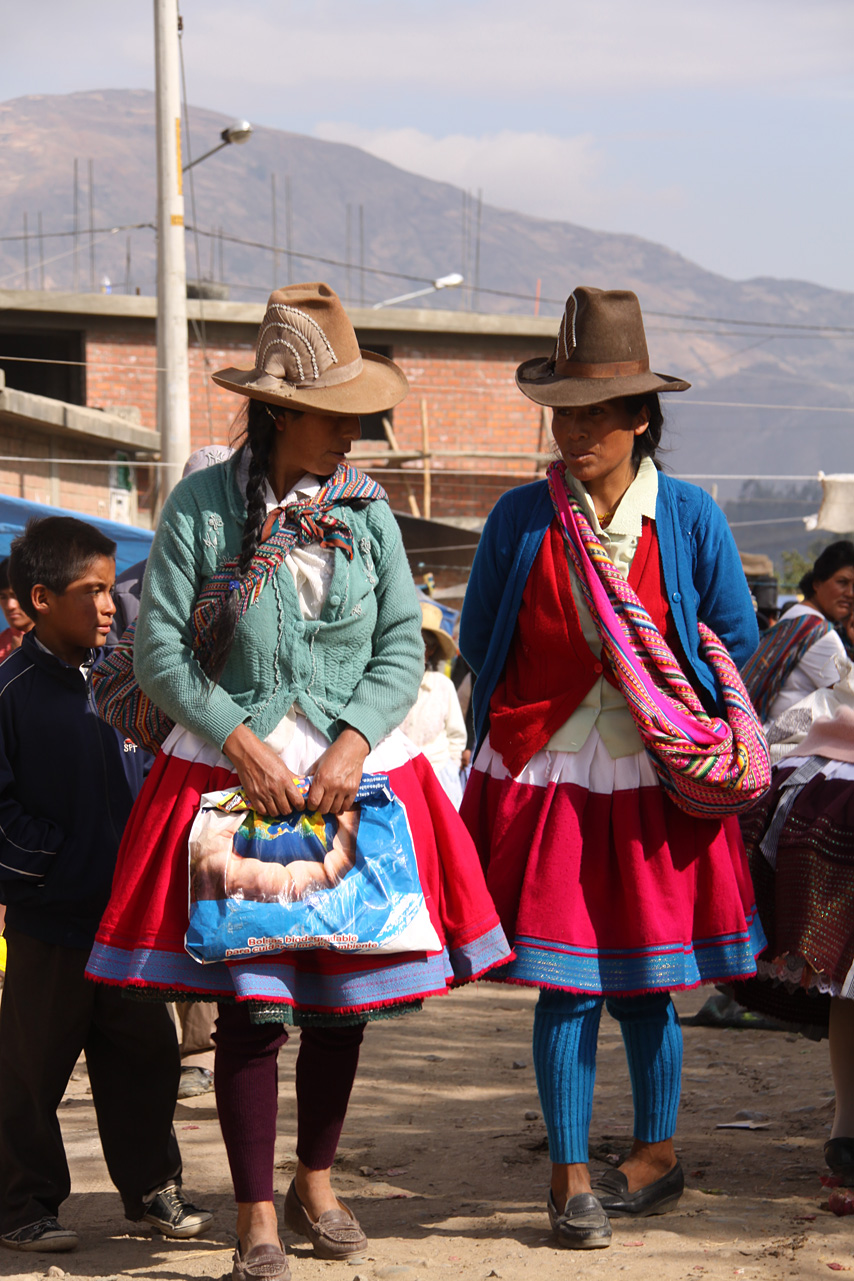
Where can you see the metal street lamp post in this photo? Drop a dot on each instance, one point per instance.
(239, 132)
(444, 282)
(173, 371)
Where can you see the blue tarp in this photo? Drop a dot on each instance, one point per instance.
(132, 544)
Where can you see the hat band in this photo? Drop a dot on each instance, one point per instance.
(612, 369)
(334, 376)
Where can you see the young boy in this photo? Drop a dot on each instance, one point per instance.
(66, 790)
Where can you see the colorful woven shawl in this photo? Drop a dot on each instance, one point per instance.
(780, 650)
(710, 767)
(116, 693)
(298, 524)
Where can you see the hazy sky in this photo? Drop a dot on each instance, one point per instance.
(721, 128)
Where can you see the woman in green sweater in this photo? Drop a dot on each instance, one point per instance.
(312, 679)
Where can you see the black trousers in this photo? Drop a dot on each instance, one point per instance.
(50, 1013)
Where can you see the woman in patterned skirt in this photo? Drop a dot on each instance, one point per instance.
(608, 891)
(800, 845)
(312, 679)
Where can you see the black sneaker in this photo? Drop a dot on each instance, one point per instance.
(172, 1214)
(47, 1235)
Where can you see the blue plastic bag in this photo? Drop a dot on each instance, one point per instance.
(261, 885)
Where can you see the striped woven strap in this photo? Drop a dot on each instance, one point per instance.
(660, 697)
(779, 651)
(301, 523)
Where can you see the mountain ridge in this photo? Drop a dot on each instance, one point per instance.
(416, 226)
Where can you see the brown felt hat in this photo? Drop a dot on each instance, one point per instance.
(600, 354)
(307, 357)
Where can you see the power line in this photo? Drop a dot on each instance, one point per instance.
(737, 404)
(48, 235)
(776, 520)
(793, 327)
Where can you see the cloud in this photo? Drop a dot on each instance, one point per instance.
(494, 51)
(544, 47)
(533, 172)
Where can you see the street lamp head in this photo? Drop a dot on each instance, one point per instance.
(237, 131)
(448, 282)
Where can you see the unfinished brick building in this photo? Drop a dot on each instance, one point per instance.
(99, 351)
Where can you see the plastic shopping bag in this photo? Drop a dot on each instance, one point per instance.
(262, 885)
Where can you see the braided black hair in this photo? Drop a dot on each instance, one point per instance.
(258, 440)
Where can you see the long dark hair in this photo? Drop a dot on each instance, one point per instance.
(835, 556)
(258, 438)
(647, 444)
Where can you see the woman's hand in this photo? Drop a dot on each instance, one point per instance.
(338, 773)
(268, 783)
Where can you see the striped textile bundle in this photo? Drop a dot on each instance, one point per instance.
(115, 690)
(298, 524)
(710, 767)
(779, 651)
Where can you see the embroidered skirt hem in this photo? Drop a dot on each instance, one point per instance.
(140, 943)
(602, 884)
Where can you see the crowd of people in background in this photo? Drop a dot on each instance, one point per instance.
(281, 649)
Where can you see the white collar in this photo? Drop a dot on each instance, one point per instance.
(638, 501)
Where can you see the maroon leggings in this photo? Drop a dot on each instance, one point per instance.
(247, 1088)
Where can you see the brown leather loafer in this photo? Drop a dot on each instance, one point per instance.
(264, 1263)
(335, 1235)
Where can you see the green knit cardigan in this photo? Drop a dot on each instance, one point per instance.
(359, 664)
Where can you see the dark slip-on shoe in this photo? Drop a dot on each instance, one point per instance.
(839, 1155)
(583, 1225)
(612, 1189)
(335, 1235)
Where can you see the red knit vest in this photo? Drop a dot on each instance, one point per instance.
(550, 666)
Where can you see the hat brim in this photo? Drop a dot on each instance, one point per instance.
(378, 387)
(447, 644)
(537, 380)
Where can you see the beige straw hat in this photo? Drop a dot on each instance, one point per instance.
(431, 621)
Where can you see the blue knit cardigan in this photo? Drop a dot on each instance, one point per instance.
(702, 576)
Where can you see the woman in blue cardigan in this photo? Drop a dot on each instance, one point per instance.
(607, 890)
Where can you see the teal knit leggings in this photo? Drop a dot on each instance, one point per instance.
(566, 1029)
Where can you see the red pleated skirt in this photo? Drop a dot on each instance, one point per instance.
(140, 943)
(602, 884)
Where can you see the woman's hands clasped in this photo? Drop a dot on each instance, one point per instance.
(337, 774)
(270, 786)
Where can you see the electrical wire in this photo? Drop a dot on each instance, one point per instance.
(48, 235)
(56, 258)
(795, 329)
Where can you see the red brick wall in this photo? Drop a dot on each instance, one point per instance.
(468, 385)
(80, 487)
(472, 402)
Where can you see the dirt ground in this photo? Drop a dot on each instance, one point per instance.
(444, 1160)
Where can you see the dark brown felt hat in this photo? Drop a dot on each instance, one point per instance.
(600, 354)
(307, 357)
